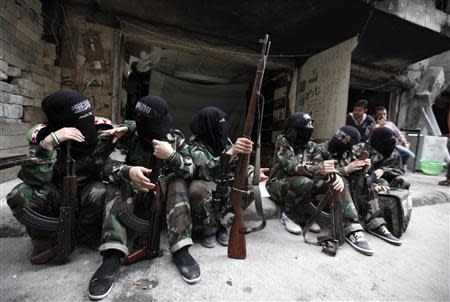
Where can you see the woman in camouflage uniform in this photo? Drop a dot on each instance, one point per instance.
(214, 156)
(69, 119)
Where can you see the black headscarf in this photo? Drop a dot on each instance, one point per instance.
(64, 109)
(295, 129)
(343, 140)
(383, 140)
(211, 126)
(153, 120)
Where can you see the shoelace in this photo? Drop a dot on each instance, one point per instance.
(359, 236)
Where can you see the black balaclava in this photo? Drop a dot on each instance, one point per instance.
(383, 140)
(211, 126)
(295, 129)
(343, 140)
(153, 120)
(63, 109)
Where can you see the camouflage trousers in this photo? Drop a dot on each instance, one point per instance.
(369, 208)
(205, 218)
(291, 193)
(115, 235)
(47, 199)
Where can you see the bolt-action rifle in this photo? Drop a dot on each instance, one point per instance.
(236, 245)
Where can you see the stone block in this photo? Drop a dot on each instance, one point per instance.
(3, 66)
(13, 141)
(13, 128)
(8, 88)
(28, 88)
(4, 97)
(14, 72)
(20, 100)
(3, 76)
(49, 50)
(11, 111)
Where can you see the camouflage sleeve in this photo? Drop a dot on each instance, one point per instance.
(115, 172)
(392, 167)
(39, 170)
(131, 125)
(181, 161)
(291, 163)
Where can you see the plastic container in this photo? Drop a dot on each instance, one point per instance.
(431, 167)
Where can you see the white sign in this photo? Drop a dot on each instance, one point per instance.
(323, 88)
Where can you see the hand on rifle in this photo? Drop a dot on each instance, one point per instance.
(368, 163)
(116, 133)
(262, 174)
(137, 176)
(241, 146)
(379, 188)
(338, 184)
(354, 166)
(62, 135)
(379, 173)
(162, 150)
(327, 167)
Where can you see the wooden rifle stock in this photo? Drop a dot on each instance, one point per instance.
(236, 244)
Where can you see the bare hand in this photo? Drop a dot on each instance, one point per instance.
(117, 133)
(379, 188)
(162, 150)
(262, 174)
(338, 184)
(242, 146)
(139, 179)
(379, 173)
(63, 134)
(327, 167)
(368, 162)
(354, 166)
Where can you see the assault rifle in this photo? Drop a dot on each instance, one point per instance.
(224, 184)
(64, 225)
(329, 243)
(152, 227)
(236, 245)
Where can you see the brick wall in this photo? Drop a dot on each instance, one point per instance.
(27, 74)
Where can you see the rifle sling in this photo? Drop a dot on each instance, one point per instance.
(257, 191)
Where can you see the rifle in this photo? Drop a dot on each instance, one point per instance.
(329, 243)
(236, 242)
(152, 227)
(64, 224)
(224, 183)
(12, 161)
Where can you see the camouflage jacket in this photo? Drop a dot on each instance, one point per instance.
(180, 164)
(303, 161)
(207, 166)
(391, 166)
(49, 166)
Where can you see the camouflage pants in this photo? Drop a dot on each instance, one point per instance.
(46, 200)
(116, 235)
(204, 219)
(369, 209)
(291, 193)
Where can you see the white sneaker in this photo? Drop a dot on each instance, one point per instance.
(290, 226)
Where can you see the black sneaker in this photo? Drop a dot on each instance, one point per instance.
(383, 233)
(100, 285)
(187, 266)
(359, 243)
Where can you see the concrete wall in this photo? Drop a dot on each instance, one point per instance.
(27, 74)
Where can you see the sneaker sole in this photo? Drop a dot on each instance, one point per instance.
(208, 246)
(362, 251)
(393, 242)
(191, 281)
(99, 297)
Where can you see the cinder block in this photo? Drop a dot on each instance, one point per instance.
(11, 111)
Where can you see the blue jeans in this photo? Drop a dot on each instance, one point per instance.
(405, 153)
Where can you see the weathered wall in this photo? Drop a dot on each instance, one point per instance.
(88, 64)
(27, 74)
